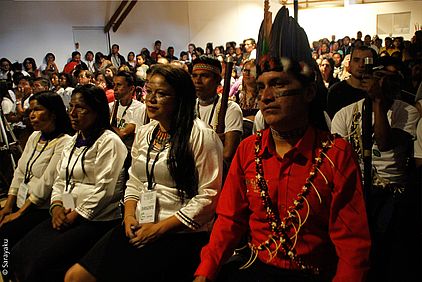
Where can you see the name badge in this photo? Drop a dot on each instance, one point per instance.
(146, 207)
(68, 201)
(22, 194)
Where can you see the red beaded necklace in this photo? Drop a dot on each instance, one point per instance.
(281, 227)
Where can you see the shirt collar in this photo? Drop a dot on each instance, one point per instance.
(303, 147)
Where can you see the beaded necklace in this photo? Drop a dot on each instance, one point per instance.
(281, 227)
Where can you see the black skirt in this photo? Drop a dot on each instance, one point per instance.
(173, 257)
(45, 254)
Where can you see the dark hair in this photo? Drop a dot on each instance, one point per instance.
(44, 81)
(128, 77)
(98, 57)
(96, 99)
(89, 52)
(4, 90)
(157, 42)
(212, 61)
(115, 45)
(54, 104)
(69, 79)
(199, 51)
(366, 48)
(75, 53)
(181, 161)
(49, 54)
(108, 80)
(29, 60)
(131, 52)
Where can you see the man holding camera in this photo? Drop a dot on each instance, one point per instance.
(394, 126)
(351, 90)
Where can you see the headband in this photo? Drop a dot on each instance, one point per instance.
(206, 67)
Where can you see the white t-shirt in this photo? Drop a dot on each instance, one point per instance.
(135, 114)
(390, 165)
(209, 115)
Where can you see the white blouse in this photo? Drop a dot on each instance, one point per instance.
(42, 168)
(94, 192)
(198, 212)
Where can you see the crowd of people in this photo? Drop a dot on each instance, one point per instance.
(277, 195)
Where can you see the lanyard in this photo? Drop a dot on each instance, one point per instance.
(124, 113)
(29, 165)
(150, 175)
(69, 175)
(212, 111)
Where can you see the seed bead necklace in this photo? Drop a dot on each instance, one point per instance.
(281, 227)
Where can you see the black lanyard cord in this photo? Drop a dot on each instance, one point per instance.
(150, 175)
(124, 113)
(70, 175)
(29, 165)
(212, 111)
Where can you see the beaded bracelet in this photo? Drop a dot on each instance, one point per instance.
(53, 206)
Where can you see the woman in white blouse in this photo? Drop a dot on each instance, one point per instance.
(84, 201)
(171, 194)
(29, 193)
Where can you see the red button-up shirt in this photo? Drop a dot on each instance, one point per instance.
(335, 237)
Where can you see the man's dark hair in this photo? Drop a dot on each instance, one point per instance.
(128, 77)
(366, 48)
(75, 53)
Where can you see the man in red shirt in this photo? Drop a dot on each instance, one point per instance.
(293, 192)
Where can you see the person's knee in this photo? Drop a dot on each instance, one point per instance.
(78, 274)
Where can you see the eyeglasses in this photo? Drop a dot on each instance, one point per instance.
(80, 110)
(161, 97)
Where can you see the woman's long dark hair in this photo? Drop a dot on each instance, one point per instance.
(95, 98)
(181, 161)
(54, 104)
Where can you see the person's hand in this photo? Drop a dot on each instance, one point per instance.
(131, 225)
(59, 217)
(71, 216)
(10, 217)
(3, 213)
(146, 233)
(372, 85)
(200, 279)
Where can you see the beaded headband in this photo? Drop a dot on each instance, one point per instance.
(206, 67)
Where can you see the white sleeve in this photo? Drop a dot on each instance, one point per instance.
(208, 153)
(234, 118)
(339, 123)
(109, 162)
(42, 190)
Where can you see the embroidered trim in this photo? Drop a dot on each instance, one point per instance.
(206, 67)
(281, 227)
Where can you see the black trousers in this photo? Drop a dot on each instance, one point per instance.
(261, 272)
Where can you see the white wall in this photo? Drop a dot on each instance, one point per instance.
(32, 28)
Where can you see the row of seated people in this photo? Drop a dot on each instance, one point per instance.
(93, 166)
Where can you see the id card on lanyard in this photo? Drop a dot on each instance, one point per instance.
(67, 197)
(24, 188)
(148, 202)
